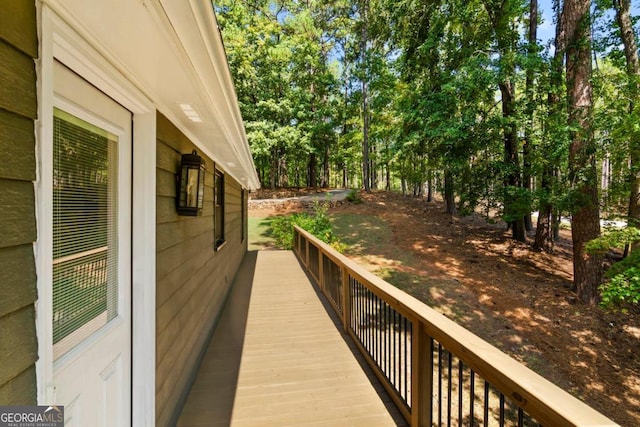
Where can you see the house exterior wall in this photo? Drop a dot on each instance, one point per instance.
(18, 110)
(192, 278)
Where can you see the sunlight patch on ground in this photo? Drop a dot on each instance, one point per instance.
(541, 318)
(519, 313)
(586, 337)
(632, 330)
(594, 386)
(485, 299)
(631, 383)
(514, 339)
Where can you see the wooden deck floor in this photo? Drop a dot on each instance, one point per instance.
(277, 358)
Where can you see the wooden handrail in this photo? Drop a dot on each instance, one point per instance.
(548, 404)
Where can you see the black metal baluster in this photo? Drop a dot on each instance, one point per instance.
(472, 396)
(385, 361)
(374, 320)
(355, 307)
(406, 397)
(501, 410)
(486, 403)
(449, 379)
(394, 363)
(367, 300)
(520, 417)
(359, 319)
(387, 331)
(439, 384)
(377, 349)
(430, 396)
(460, 384)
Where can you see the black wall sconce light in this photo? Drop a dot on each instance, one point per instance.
(190, 185)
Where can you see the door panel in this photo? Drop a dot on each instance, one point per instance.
(91, 253)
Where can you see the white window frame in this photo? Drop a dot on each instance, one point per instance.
(59, 41)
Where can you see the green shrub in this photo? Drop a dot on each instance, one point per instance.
(354, 196)
(623, 282)
(318, 224)
(623, 277)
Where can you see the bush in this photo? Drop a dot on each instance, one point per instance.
(623, 277)
(354, 196)
(318, 224)
(623, 282)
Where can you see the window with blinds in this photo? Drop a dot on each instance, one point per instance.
(84, 230)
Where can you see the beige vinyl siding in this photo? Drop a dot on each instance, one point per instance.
(192, 278)
(18, 110)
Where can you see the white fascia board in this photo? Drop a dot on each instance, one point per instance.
(172, 52)
(206, 53)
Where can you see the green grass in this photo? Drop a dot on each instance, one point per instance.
(260, 233)
(369, 236)
(363, 234)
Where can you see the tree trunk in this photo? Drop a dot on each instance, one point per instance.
(449, 196)
(283, 173)
(325, 167)
(544, 240)
(502, 22)
(511, 159)
(313, 175)
(274, 167)
(344, 176)
(429, 186)
(388, 176)
(544, 229)
(623, 17)
(585, 224)
(365, 101)
(529, 89)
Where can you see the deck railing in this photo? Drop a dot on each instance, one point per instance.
(436, 372)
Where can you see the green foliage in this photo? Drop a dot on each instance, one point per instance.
(285, 82)
(520, 203)
(354, 196)
(623, 285)
(611, 239)
(436, 74)
(318, 224)
(623, 277)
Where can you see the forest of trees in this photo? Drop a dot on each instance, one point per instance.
(456, 96)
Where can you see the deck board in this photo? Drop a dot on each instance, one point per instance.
(277, 358)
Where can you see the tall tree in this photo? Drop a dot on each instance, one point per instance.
(527, 149)
(585, 224)
(364, 18)
(502, 14)
(544, 239)
(627, 34)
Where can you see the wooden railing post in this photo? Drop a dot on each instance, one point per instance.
(421, 376)
(306, 252)
(320, 272)
(346, 299)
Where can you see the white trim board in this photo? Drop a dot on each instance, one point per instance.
(172, 52)
(61, 42)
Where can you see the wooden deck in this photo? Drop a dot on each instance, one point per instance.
(278, 358)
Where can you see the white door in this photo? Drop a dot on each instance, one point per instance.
(91, 254)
